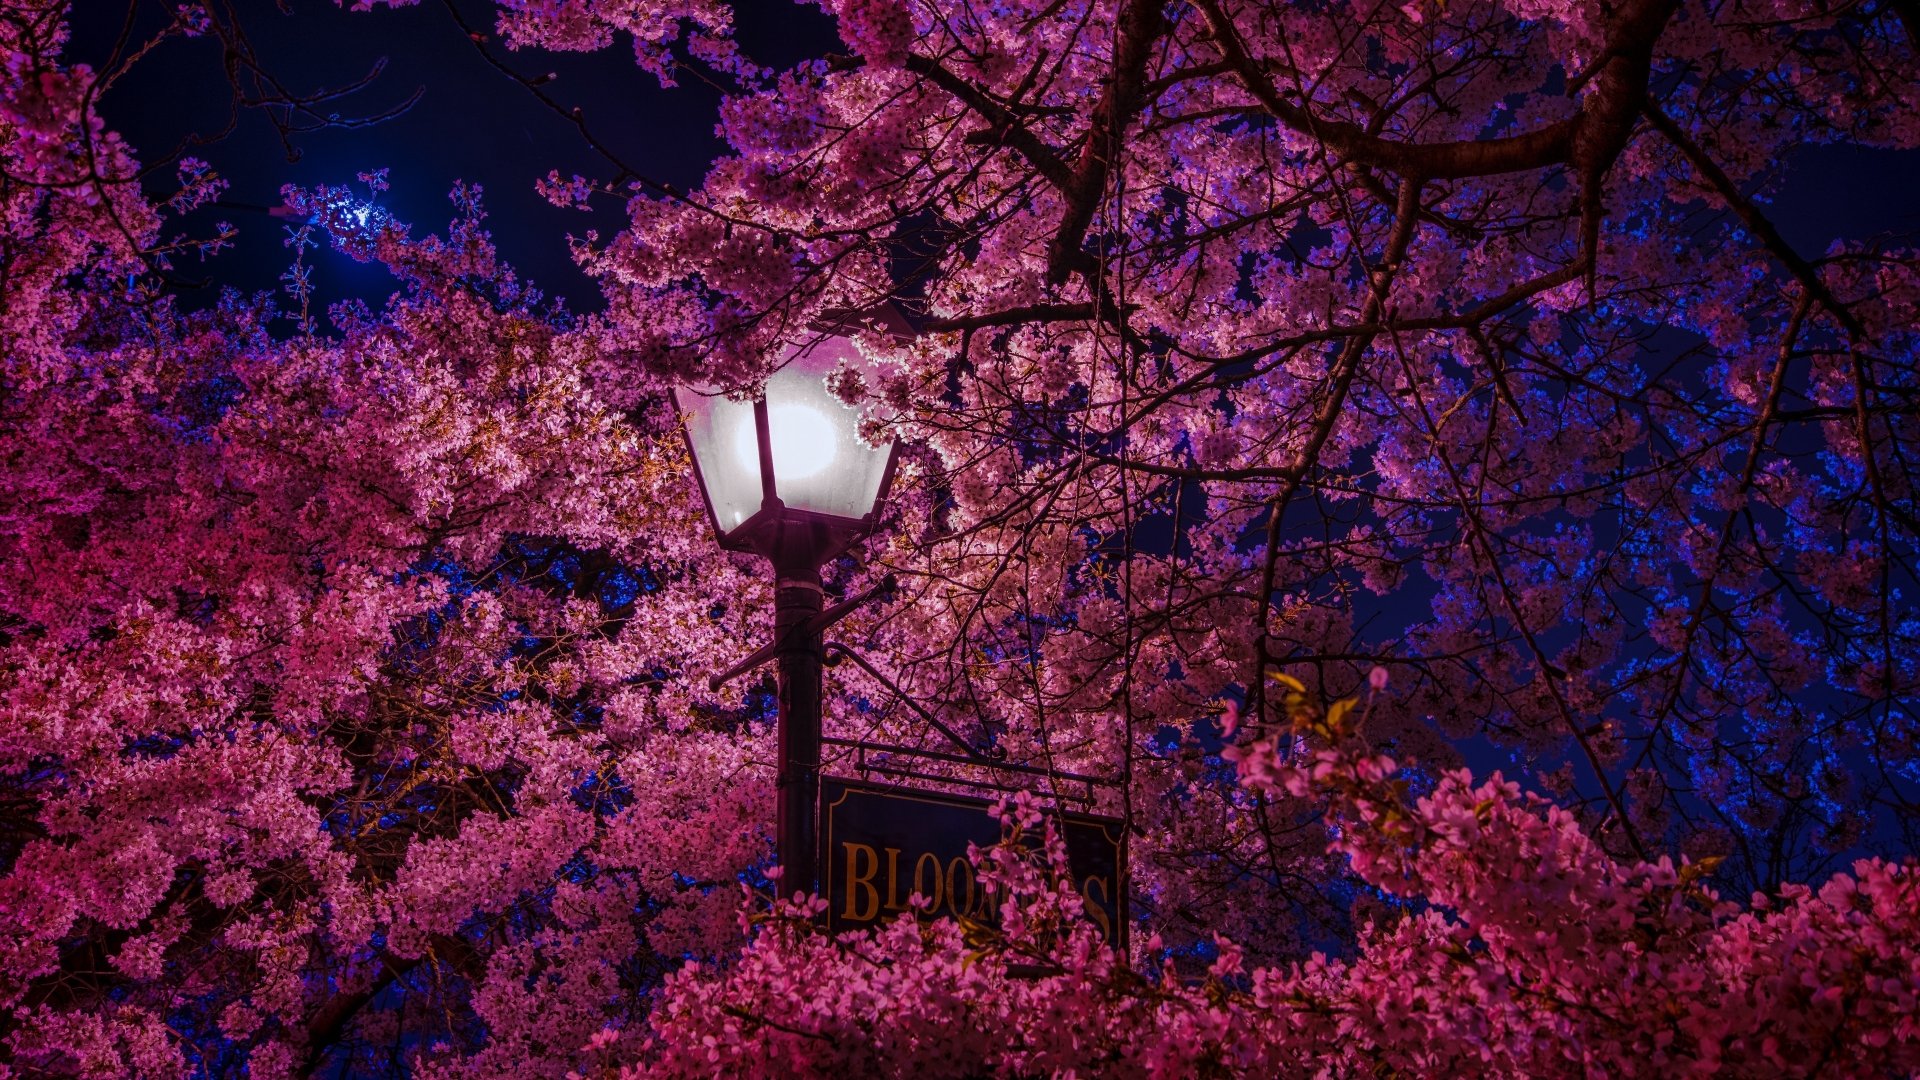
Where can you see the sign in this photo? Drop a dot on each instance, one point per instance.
(884, 844)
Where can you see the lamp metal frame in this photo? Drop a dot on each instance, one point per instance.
(798, 543)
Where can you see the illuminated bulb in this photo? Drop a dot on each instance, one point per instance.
(803, 442)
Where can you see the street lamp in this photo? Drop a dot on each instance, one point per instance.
(788, 477)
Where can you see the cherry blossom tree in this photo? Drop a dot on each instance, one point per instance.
(354, 713)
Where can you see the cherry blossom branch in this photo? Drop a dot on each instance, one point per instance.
(1138, 26)
(1326, 416)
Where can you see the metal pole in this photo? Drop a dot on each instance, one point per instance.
(797, 598)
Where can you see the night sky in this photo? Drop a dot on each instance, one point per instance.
(471, 122)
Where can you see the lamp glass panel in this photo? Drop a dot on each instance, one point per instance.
(715, 427)
(819, 461)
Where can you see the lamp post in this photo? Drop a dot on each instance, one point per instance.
(787, 477)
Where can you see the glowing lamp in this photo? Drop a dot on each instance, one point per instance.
(788, 476)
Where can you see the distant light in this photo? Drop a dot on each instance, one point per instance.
(344, 214)
(804, 441)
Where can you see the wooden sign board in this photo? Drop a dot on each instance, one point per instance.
(882, 844)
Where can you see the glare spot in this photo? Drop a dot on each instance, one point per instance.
(803, 442)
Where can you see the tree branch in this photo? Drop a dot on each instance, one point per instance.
(1041, 156)
(1436, 161)
(1139, 25)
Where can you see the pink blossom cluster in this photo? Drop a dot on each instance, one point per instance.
(703, 27)
(1514, 946)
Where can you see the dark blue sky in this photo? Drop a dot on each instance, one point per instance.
(470, 122)
(473, 123)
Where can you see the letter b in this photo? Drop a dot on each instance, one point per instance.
(859, 883)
